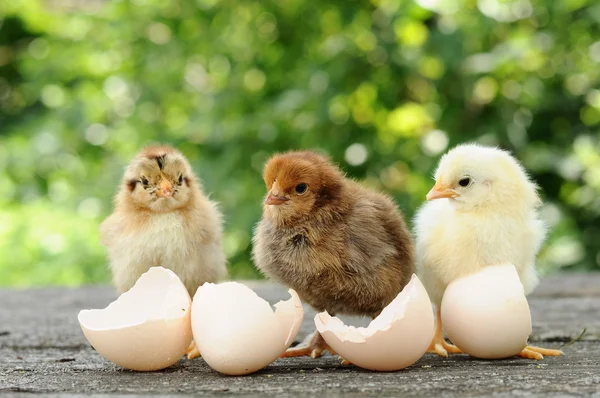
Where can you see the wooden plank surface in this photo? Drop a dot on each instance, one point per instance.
(42, 350)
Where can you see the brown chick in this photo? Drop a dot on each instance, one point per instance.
(343, 248)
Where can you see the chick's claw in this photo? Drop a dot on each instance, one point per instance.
(193, 351)
(451, 348)
(314, 349)
(438, 345)
(528, 354)
(537, 353)
(443, 348)
(303, 352)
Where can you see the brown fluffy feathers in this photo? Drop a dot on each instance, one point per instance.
(341, 246)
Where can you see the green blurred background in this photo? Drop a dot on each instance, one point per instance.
(384, 86)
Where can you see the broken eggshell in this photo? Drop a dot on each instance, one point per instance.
(397, 338)
(238, 332)
(147, 328)
(486, 314)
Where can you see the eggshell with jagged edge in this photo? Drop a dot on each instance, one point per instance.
(238, 332)
(397, 338)
(147, 328)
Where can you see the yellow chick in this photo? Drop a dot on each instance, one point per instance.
(162, 218)
(482, 211)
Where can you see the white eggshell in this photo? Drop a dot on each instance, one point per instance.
(147, 328)
(237, 332)
(486, 314)
(397, 338)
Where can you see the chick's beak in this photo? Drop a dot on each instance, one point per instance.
(275, 197)
(166, 189)
(275, 200)
(440, 191)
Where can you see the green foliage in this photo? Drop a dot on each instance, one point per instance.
(384, 86)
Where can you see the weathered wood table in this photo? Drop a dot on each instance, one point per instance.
(42, 350)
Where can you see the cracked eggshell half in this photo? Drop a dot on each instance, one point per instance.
(486, 314)
(147, 328)
(238, 332)
(397, 338)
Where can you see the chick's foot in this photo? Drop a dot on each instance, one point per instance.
(438, 345)
(442, 348)
(314, 349)
(537, 353)
(193, 351)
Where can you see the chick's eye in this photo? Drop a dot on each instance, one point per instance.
(180, 180)
(301, 188)
(464, 182)
(144, 181)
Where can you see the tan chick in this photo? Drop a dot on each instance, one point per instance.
(482, 211)
(345, 249)
(162, 218)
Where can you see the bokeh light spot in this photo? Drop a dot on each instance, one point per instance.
(39, 48)
(254, 80)
(158, 33)
(96, 134)
(410, 33)
(53, 243)
(90, 208)
(319, 81)
(53, 96)
(408, 119)
(435, 142)
(485, 90)
(356, 154)
(595, 51)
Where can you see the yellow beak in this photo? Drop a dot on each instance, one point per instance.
(440, 191)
